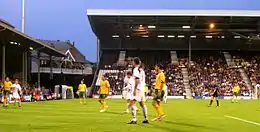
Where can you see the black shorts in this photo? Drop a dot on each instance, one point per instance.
(158, 95)
(215, 95)
(103, 96)
(82, 94)
(6, 92)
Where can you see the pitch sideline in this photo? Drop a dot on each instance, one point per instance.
(243, 120)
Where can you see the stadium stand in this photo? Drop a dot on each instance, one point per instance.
(194, 53)
(116, 73)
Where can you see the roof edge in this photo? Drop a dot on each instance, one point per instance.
(32, 39)
(129, 12)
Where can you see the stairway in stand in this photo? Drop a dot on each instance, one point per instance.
(248, 82)
(186, 82)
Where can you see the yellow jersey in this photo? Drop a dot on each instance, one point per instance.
(236, 89)
(7, 85)
(160, 80)
(82, 88)
(104, 87)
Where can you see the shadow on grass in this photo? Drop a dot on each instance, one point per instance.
(164, 128)
(115, 113)
(189, 125)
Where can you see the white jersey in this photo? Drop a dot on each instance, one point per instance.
(129, 88)
(16, 89)
(142, 79)
(137, 75)
(140, 74)
(126, 79)
(165, 90)
(129, 84)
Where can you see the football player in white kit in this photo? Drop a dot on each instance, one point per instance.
(127, 90)
(17, 90)
(138, 92)
(165, 94)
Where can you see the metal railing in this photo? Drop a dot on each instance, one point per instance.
(85, 71)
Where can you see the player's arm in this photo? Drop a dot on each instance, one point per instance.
(78, 87)
(20, 91)
(125, 84)
(86, 89)
(11, 84)
(162, 78)
(108, 86)
(137, 80)
(99, 89)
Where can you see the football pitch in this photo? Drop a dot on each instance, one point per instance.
(182, 116)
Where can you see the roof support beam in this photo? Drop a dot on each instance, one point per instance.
(195, 30)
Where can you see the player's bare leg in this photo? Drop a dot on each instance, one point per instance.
(159, 112)
(133, 108)
(217, 101)
(211, 101)
(127, 106)
(5, 101)
(18, 101)
(145, 113)
(81, 100)
(103, 105)
(165, 99)
(84, 100)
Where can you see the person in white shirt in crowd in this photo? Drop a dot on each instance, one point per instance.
(165, 93)
(17, 91)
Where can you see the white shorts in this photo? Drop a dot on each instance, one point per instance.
(129, 96)
(16, 96)
(124, 94)
(140, 96)
(165, 94)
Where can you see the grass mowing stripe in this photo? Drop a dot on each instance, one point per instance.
(240, 119)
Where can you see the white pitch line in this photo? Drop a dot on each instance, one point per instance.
(247, 121)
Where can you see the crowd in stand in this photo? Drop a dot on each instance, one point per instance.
(213, 67)
(173, 74)
(205, 68)
(32, 93)
(250, 62)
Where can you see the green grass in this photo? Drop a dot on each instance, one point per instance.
(182, 116)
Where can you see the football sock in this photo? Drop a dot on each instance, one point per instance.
(102, 104)
(157, 108)
(145, 113)
(217, 102)
(211, 101)
(80, 100)
(160, 110)
(134, 113)
(127, 107)
(105, 104)
(20, 103)
(5, 101)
